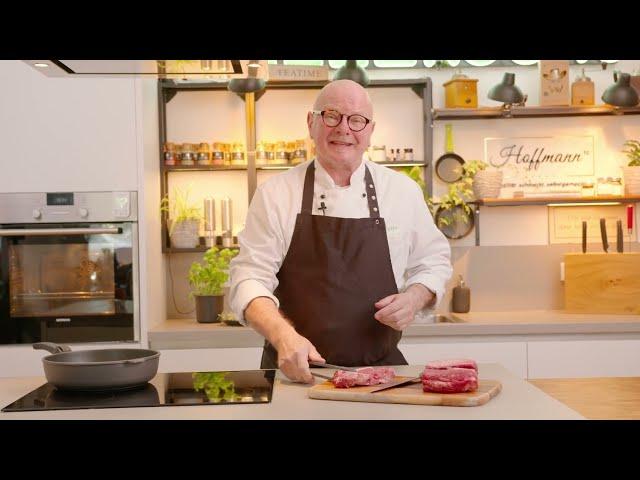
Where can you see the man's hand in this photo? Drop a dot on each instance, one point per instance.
(294, 353)
(398, 310)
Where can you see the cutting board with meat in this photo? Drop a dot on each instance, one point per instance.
(449, 382)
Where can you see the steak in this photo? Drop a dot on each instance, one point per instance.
(457, 363)
(450, 380)
(364, 376)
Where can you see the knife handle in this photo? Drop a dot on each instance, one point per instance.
(584, 236)
(603, 233)
(619, 246)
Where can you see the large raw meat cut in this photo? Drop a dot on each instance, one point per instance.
(363, 376)
(458, 363)
(450, 376)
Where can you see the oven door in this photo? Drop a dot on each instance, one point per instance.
(68, 283)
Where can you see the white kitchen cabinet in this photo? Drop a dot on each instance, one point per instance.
(210, 359)
(66, 134)
(588, 358)
(511, 355)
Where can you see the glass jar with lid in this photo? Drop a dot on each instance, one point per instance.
(261, 154)
(281, 155)
(188, 155)
(299, 153)
(237, 154)
(170, 153)
(217, 155)
(203, 154)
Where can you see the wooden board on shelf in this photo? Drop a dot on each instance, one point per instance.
(500, 202)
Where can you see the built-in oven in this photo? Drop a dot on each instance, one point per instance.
(68, 267)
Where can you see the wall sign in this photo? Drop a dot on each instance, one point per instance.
(297, 73)
(565, 225)
(541, 165)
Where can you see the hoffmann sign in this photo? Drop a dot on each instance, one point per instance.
(544, 165)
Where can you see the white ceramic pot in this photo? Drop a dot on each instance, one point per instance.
(185, 234)
(487, 183)
(631, 180)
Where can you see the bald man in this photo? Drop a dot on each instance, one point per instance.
(338, 254)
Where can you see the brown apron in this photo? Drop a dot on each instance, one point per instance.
(334, 272)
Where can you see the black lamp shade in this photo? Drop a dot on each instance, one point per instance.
(506, 92)
(352, 71)
(621, 93)
(246, 85)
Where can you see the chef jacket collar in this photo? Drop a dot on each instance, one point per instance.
(325, 181)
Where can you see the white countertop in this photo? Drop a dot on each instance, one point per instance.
(188, 333)
(517, 400)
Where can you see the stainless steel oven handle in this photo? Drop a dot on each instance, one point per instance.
(56, 231)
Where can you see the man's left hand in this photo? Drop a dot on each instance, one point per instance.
(398, 310)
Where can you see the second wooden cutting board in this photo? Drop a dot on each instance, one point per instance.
(409, 394)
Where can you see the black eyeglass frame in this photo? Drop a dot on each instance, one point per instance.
(322, 113)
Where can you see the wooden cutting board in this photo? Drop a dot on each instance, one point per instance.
(411, 394)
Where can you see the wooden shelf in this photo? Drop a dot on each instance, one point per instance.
(290, 85)
(530, 112)
(199, 248)
(504, 202)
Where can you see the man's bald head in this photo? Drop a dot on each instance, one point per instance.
(346, 96)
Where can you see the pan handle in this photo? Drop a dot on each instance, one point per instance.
(51, 347)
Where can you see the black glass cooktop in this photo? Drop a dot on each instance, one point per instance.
(164, 390)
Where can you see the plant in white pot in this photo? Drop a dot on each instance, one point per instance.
(632, 171)
(184, 219)
(486, 182)
(207, 281)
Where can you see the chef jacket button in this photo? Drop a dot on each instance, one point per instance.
(371, 185)
(322, 196)
(375, 209)
(364, 195)
(377, 222)
(373, 197)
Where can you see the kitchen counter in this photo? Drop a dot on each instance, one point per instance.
(596, 398)
(517, 400)
(187, 333)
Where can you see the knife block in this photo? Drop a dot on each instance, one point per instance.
(602, 283)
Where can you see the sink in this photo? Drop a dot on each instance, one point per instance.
(435, 318)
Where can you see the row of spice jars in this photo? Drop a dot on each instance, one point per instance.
(202, 154)
(282, 152)
(277, 153)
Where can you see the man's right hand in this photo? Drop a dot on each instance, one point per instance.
(294, 353)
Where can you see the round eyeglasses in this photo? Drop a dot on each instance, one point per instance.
(331, 118)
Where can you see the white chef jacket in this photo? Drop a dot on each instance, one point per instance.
(420, 253)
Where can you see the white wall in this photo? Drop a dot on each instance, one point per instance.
(70, 134)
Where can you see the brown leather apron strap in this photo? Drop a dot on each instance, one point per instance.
(307, 193)
(372, 198)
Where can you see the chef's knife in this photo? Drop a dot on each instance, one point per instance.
(603, 233)
(619, 246)
(328, 365)
(584, 237)
(396, 383)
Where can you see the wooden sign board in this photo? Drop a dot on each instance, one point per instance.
(300, 73)
(565, 224)
(541, 165)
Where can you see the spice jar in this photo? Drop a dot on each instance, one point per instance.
(217, 155)
(170, 154)
(261, 154)
(269, 152)
(237, 154)
(281, 155)
(378, 153)
(408, 154)
(188, 155)
(299, 153)
(203, 154)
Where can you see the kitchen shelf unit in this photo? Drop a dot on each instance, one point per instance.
(494, 113)
(168, 88)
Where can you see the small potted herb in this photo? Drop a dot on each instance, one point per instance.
(207, 281)
(632, 170)
(184, 219)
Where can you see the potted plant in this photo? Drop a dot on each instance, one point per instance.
(631, 172)
(184, 219)
(486, 182)
(207, 280)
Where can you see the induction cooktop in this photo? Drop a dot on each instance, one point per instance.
(164, 390)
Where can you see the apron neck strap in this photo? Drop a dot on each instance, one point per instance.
(370, 189)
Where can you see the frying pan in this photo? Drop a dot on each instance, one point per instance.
(449, 165)
(457, 227)
(98, 370)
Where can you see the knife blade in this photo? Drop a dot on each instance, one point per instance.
(619, 246)
(603, 234)
(396, 383)
(328, 365)
(584, 237)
